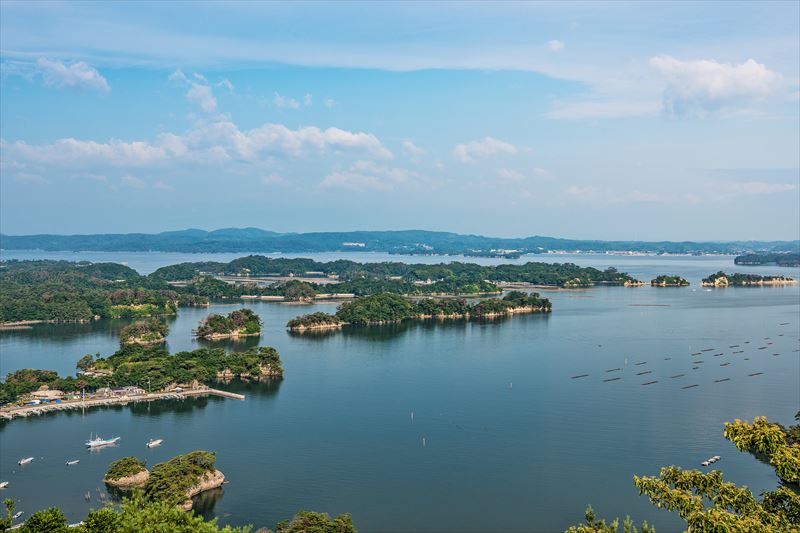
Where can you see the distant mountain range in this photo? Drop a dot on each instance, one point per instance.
(406, 242)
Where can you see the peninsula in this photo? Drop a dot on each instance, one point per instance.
(786, 259)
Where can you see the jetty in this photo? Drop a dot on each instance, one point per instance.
(9, 413)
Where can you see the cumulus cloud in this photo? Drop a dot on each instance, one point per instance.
(199, 91)
(368, 176)
(226, 84)
(758, 188)
(488, 146)
(412, 149)
(281, 101)
(308, 100)
(597, 109)
(33, 179)
(217, 141)
(555, 45)
(160, 185)
(329, 102)
(701, 86)
(510, 174)
(79, 74)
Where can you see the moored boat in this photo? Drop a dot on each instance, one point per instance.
(154, 442)
(3, 484)
(74, 462)
(25, 461)
(97, 442)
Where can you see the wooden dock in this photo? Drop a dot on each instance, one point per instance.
(9, 413)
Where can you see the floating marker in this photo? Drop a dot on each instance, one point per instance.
(746, 358)
(645, 372)
(721, 380)
(677, 376)
(755, 374)
(667, 358)
(724, 364)
(649, 382)
(423, 442)
(611, 379)
(717, 354)
(696, 362)
(763, 348)
(641, 363)
(740, 351)
(775, 355)
(783, 324)
(733, 346)
(695, 367)
(707, 350)
(614, 370)
(579, 376)
(697, 353)
(690, 386)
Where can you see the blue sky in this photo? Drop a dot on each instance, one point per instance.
(586, 120)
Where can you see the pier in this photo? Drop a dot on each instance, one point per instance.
(8, 413)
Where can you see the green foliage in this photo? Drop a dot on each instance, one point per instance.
(742, 280)
(48, 521)
(67, 291)
(139, 515)
(593, 525)
(169, 482)
(763, 437)
(669, 281)
(387, 307)
(135, 364)
(310, 522)
(313, 320)
(708, 503)
(125, 467)
(144, 332)
(789, 259)
(243, 321)
(6, 521)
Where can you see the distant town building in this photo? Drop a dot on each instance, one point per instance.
(354, 244)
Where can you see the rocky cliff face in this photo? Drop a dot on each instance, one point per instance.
(208, 481)
(129, 482)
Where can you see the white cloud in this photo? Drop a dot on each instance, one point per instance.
(412, 149)
(366, 175)
(596, 109)
(79, 74)
(274, 179)
(199, 92)
(555, 45)
(700, 86)
(750, 188)
(281, 101)
(203, 96)
(162, 186)
(488, 146)
(213, 142)
(542, 173)
(132, 181)
(226, 83)
(510, 174)
(308, 100)
(329, 102)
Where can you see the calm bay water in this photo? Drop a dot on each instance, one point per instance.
(511, 442)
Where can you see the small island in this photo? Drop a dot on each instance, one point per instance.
(721, 279)
(387, 308)
(174, 482)
(669, 281)
(240, 323)
(126, 473)
(144, 332)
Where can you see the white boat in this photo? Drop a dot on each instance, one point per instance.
(25, 461)
(76, 461)
(154, 442)
(17, 515)
(97, 442)
(3, 484)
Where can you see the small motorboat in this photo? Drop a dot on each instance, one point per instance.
(705, 463)
(97, 442)
(17, 515)
(73, 462)
(3, 484)
(152, 443)
(25, 461)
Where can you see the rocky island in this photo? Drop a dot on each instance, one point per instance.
(240, 323)
(387, 308)
(144, 332)
(174, 482)
(721, 279)
(669, 281)
(126, 473)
